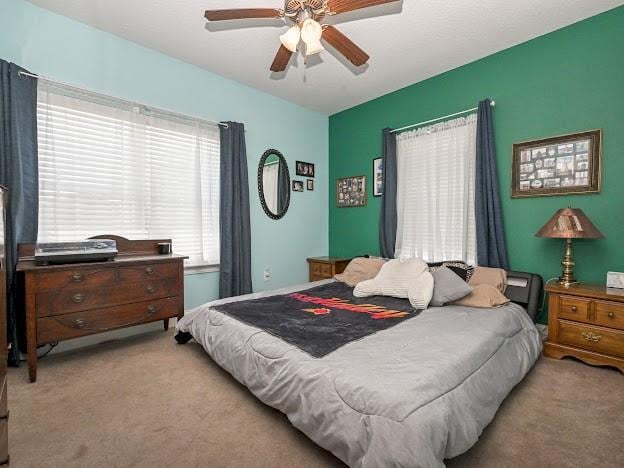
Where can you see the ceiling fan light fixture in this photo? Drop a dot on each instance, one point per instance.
(290, 39)
(311, 32)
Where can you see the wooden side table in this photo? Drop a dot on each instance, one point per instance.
(586, 321)
(326, 267)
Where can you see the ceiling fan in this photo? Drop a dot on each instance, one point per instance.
(307, 16)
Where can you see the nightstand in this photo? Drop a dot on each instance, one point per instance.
(586, 321)
(326, 267)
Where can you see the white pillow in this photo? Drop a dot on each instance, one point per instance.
(420, 291)
(405, 279)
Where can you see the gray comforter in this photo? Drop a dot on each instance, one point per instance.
(408, 396)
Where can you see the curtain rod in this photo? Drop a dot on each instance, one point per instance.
(51, 80)
(492, 103)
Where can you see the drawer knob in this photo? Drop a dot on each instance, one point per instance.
(151, 309)
(149, 270)
(150, 288)
(80, 323)
(78, 298)
(76, 277)
(574, 308)
(589, 336)
(611, 315)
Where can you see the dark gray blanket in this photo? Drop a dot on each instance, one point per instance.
(321, 319)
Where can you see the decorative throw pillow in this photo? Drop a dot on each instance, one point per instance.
(420, 291)
(360, 269)
(447, 287)
(461, 269)
(496, 277)
(400, 279)
(483, 296)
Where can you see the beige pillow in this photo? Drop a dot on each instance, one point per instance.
(496, 277)
(360, 269)
(483, 295)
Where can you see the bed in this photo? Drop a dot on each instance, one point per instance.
(410, 395)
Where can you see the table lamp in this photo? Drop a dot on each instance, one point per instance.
(569, 223)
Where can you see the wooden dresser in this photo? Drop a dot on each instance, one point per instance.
(587, 322)
(72, 300)
(4, 412)
(326, 267)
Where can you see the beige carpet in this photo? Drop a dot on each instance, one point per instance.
(147, 402)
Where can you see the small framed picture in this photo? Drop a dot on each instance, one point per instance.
(377, 177)
(304, 169)
(561, 165)
(310, 185)
(297, 185)
(351, 192)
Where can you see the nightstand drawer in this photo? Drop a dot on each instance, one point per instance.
(326, 267)
(321, 270)
(574, 308)
(609, 314)
(598, 339)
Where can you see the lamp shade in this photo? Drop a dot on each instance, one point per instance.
(311, 31)
(314, 48)
(569, 223)
(290, 39)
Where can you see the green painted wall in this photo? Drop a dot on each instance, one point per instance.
(567, 81)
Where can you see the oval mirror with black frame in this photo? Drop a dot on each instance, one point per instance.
(274, 184)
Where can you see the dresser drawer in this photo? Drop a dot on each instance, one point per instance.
(4, 442)
(73, 300)
(78, 278)
(62, 327)
(574, 308)
(609, 314)
(598, 339)
(3, 397)
(149, 272)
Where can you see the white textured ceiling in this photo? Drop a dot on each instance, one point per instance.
(408, 41)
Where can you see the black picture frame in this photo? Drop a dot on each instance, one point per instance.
(310, 185)
(304, 169)
(297, 185)
(377, 177)
(351, 192)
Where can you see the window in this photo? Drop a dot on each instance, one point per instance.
(107, 166)
(435, 192)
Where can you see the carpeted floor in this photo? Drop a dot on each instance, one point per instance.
(147, 402)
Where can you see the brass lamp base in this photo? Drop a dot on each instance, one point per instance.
(567, 275)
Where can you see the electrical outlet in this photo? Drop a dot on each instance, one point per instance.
(267, 275)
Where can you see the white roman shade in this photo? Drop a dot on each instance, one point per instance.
(107, 166)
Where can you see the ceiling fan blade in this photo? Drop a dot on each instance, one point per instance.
(243, 13)
(345, 46)
(280, 62)
(343, 6)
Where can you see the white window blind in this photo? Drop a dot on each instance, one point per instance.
(107, 166)
(436, 190)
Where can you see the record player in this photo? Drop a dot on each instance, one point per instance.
(91, 250)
